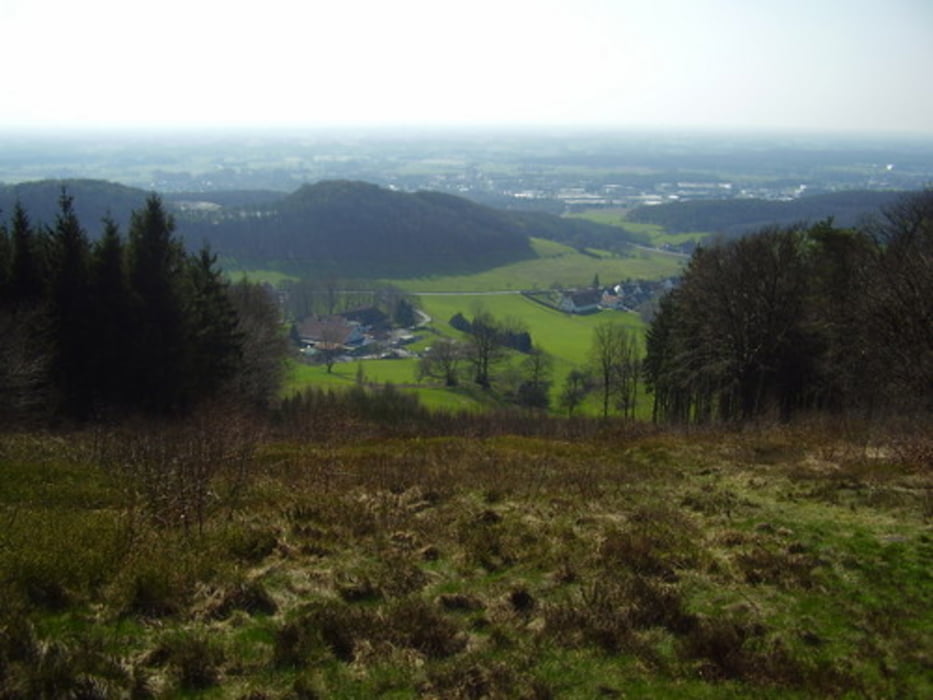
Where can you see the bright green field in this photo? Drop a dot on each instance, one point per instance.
(563, 336)
(566, 338)
(655, 234)
(556, 265)
(401, 373)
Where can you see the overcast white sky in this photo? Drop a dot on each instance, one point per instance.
(828, 65)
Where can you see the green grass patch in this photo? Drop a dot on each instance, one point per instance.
(565, 336)
(654, 234)
(555, 265)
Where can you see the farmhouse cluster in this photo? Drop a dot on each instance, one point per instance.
(365, 332)
(630, 295)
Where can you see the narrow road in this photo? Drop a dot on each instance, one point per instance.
(465, 294)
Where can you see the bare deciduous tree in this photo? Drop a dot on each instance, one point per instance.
(615, 357)
(577, 385)
(442, 361)
(485, 347)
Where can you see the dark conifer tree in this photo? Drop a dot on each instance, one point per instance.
(156, 263)
(74, 344)
(213, 342)
(25, 331)
(111, 318)
(6, 261)
(27, 273)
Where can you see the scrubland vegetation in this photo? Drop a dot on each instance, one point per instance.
(360, 546)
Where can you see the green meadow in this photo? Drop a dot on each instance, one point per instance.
(564, 336)
(555, 265)
(654, 234)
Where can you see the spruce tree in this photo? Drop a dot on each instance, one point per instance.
(27, 279)
(6, 261)
(111, 318)
(156, 262)
(70, 309)
(213, 345)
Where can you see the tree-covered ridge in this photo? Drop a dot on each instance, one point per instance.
(733, 217)
(93, 201)
(799, 318)
(134, 324)
(355, 225)
(346, 227)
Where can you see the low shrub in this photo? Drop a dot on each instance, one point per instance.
(193, 659)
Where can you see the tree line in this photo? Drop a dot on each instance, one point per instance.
(125, 324)
(801, 318)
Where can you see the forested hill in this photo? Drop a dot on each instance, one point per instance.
(356, 226)
(93, 200)
(734, 217)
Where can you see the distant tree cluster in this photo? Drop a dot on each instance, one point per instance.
(509, 334)
(135, 324)
(737, 217)
(801, 318)
(356, 226)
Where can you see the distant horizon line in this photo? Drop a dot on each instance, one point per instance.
(583, 129)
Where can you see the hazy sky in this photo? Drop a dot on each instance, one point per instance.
(851, 65)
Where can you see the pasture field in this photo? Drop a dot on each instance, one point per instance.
(653, 234)
(400, 373)
(557, 265)
(566, 337)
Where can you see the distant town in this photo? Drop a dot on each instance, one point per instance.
(557, 172)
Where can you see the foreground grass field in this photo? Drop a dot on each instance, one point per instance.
(331, 557)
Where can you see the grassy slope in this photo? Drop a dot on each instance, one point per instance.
(654, 233)
(787, 563)
(555, 264)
